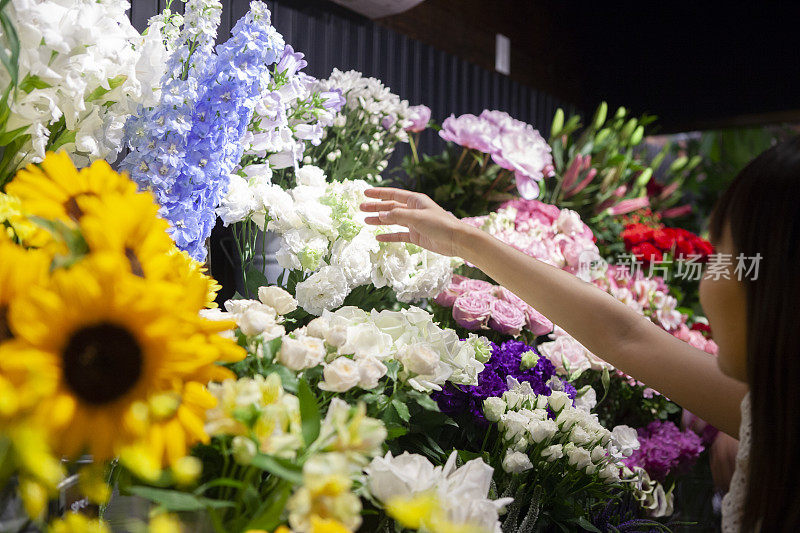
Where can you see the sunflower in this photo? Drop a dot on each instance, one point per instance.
(115, 340)
(20, 270)
(193, 277)
(19, 226)
(127, 225)
(52, 189)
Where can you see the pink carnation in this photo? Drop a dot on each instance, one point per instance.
(470, 131)
(506, 318)
(472, 310)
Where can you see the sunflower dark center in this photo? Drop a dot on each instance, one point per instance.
(73, 210)
(102, 363)
(5, 328)
(136, 266)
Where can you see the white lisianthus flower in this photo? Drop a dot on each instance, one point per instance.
(278, 299)
(542, 430)
(301, 352)
(311, 176)
(402, 476)
(493, 408)
(625, 439)
(586, 401)
(370, 371)
(260, 320)
(578, 457)
(557, 401)
(553, 452)
(514, 425)
(340, 376)
(516, 462)
(325, 289)
(609, 473)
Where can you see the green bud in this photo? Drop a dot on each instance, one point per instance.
(621, 112)
(600, 116)
(348, 229)
(558, 123)
(601, 136)
(693, 162)
(627, 130)
(638, 135)
(412, 248)
(678, 164)
(529, 360)
(644, 177)
(310, 258)
(483, 350)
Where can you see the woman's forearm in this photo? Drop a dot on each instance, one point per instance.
(611, 330)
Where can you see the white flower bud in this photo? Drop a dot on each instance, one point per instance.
(336, 336)
(370, 371)
(419, 360)
(318, 327)
(301, 352)
(558, 400)
(542, 430)
(493, 408)
(340, 376)
(243, 450)
(277, 298)
(553, 452)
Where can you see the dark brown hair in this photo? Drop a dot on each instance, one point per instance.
(762, 210)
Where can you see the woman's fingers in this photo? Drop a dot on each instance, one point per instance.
(400, 236)
(389, 193)
(399, 215)
(372, 207)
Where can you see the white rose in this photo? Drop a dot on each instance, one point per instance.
(493, 408)
(598, 454)
(419, 359)
(580, 436)
(257, 321)
(402, 476)
(277, 298)
(625, 439)
(370, 370)
(516, 462)
(558, 400)
(553, 452)
(586, 401)
(311, 176)
(610, 473)
(336, 336)
(542, 430)
(340, 376)
(301, 352)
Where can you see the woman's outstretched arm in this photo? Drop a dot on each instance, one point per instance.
(604, 325)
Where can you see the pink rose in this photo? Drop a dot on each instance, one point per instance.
(476, 285)
(537, 322)
(419, 116)
(507, 318)
(472, 310)
(510, 297)
(447, 297)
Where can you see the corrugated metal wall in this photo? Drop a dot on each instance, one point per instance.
(332, 36)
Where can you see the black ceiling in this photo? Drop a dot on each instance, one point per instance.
(695, 65)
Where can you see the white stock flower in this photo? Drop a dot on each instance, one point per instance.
(516, 462)
(341, 375)
(323, 290)
(301, 352)
(493, 408)
(277, 298)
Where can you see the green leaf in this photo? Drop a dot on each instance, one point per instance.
(424, 401)
(113, 83)
(309, 412)
(402, 410)
(279, 467)
(255, 280)
(65, 138)
(268, 515)
(173, 500)
(7, 137)
(33, 82)
(11, 63)
(391, 369)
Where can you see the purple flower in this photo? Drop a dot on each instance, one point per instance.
(470, 131)
(419, 116)
(505, 361)
(527, 154)
(333, 100)
(291, 62)
(387, 122)
(664, 448)
(471, 310)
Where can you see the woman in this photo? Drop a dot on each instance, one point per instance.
(754, 323)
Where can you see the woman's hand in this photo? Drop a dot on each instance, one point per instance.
(428, 225)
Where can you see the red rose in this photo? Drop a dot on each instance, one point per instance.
(703, 247)
(634, 234)
(684, 247)
(647, 252)
(703, 328)
(664, 239)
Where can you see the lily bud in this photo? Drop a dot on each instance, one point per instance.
(558, 123)
(600, 116)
